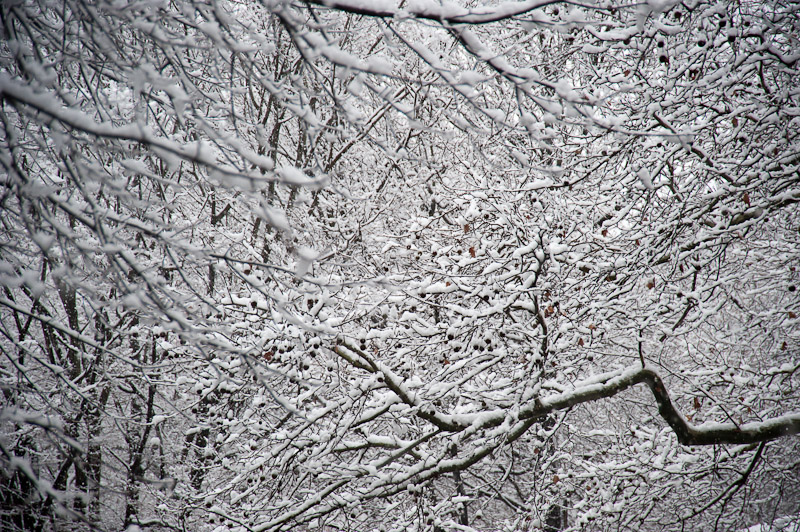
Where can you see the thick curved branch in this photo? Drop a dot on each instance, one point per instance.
(688, 434)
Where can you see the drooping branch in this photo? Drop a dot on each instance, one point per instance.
(21, 96)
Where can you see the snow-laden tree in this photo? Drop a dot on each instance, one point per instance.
(399, 266)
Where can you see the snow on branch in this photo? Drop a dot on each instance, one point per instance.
(599, 387)
(688, 434)
(447, 13)
(197, 152)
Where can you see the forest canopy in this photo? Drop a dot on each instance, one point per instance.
(399, 265)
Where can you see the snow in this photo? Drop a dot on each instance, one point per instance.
(556, 248)
(645, 179)
(781, 524)
(446, 243)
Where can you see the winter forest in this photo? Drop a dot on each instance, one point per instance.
(399, 265)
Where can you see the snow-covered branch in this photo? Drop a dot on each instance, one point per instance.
(449, 13)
